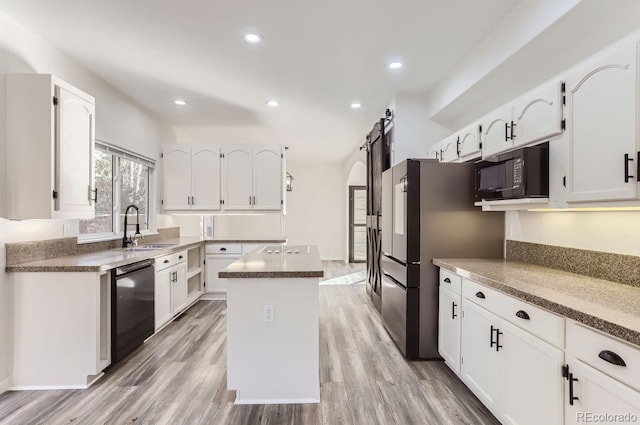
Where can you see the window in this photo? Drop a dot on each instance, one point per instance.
(122, 179)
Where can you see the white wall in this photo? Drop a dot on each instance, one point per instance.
(608, 231)
(413, 132)
(315, 208)
(119, 121)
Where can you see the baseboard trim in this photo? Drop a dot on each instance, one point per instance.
(331, 259)
(212, 296)
(276, 400)
(47, 387)
(4, 385)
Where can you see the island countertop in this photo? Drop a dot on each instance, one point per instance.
(278, 261)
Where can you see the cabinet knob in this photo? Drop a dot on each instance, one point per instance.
(223, 249)
(180, 257)
(166, 261)
(611, 357)
(522, 314)
(480, 294)
(447, 280)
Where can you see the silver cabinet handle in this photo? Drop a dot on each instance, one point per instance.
(193, 200)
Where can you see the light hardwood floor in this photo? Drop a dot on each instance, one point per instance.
(179, 377)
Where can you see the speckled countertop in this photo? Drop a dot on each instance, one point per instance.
(274, 239)
(102, 260)
(286, 261)
(611, 307)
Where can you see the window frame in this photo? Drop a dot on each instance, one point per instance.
(117, 154)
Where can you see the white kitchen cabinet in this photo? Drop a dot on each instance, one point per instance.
(179, 288)
(238, 177)
(469, 142)
(449, 149)
(61, 329)
(162, 297)
(170, 287)
(511, 355)
(191, 177)
(50, 135)
(480, 368)
(268, 176)
(529, 369)
(219, 256)
(496, 135)
(434, 151)
(537, 115)
(450, 308)
(602, 124)
(598, 395)
(253, 178)
(602, 376)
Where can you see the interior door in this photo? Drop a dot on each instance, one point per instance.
(357, 224)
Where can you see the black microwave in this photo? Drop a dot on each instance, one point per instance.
(522, 173)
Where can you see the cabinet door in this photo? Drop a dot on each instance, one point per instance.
(469, 142)
(176, 168)
(449, 328)
(531, 371)
(205, 178)
(267, 178)
(598, 394)
(480, 365)
(214, 284)
(75, 124)
(179, 288)
(538, 114)
(434, 151)
(496, 132)
(162, 298)
(602, 124)
(449, 149)
(238, 178)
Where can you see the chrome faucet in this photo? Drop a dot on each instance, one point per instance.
(131, 240)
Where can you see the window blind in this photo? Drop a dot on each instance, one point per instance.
(123, 153)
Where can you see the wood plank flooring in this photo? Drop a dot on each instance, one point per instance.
(179, 377)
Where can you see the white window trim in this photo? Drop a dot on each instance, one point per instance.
(117, 154)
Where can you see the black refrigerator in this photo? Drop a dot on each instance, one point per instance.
(427, 212)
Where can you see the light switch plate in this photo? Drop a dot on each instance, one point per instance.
(267, 314)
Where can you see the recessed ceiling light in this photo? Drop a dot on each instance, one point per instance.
(355, 105)
(273, 103)
(180, 102)
(395, 65)
(252, 38)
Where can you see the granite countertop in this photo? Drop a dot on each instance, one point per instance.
(273, 239)
(103, 260)
(280, 261)
(608, 306)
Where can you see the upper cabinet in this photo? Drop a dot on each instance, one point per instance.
(534, 117)
(223, 178)
(253, 178)
(50, 142)
(602, 125)
(468, 141)
(537, 115)
(191, 177)
(449, 149)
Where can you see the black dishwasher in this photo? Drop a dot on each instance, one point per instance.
(132, 307)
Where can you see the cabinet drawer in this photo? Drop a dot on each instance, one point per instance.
(223, 248)
(539, 322)
(451, 281)
(481, 295)
(590, 346)
(170, 260)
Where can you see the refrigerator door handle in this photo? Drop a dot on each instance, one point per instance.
(394, 280)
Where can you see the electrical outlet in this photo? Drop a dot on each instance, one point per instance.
(267, 314)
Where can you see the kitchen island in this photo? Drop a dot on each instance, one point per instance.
(272, 325)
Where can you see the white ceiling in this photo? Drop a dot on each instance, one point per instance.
(317, 57)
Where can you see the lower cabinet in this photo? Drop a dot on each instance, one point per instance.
(601, 375)
(170, 287)
(503, 359)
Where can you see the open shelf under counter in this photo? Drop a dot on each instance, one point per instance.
(193, 271)
(513, 204)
